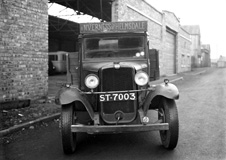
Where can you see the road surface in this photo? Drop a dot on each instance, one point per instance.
(202, 115)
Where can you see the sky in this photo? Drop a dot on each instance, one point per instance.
(69, 14)
(210, 15)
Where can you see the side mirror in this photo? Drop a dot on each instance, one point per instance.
(69, 76)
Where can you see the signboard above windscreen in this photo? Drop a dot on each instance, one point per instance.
(109, 27)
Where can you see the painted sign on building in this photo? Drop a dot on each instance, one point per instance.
(135, 26)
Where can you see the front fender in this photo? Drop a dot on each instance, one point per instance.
(168, 90)
(69, 95)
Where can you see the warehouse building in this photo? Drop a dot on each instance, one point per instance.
(221, 63)
(195, 34)
(205, 55)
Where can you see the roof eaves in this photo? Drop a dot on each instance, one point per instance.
(173, 14)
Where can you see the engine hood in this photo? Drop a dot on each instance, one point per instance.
(94, 67)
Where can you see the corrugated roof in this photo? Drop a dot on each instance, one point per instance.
(96, 8)
(192, 29)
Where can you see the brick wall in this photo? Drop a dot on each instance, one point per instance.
(23, 49)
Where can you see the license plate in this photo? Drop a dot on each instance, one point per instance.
(117, 97)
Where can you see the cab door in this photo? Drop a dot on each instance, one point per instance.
(154, 64)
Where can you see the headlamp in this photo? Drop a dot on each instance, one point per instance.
(141, 78)
(91, 81)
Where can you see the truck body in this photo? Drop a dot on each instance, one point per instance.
(108, 89)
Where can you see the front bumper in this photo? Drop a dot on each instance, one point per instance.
(119, 128)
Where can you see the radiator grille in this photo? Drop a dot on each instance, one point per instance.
(117, 80)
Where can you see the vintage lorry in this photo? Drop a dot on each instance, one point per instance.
(109, 90)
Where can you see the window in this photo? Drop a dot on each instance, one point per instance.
(53, 58)
(183, 61)
(112, 47)
(64, 57)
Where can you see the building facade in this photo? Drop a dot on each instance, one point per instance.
(165, 33)
(205, 55)
(221, 63)
(184, 50)
(195, 34)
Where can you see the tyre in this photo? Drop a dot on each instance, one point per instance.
(68, 117)
(167, 112)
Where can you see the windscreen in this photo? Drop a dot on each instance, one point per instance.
(112, 47)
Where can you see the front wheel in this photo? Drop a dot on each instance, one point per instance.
(68, 117)
(167, 112)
